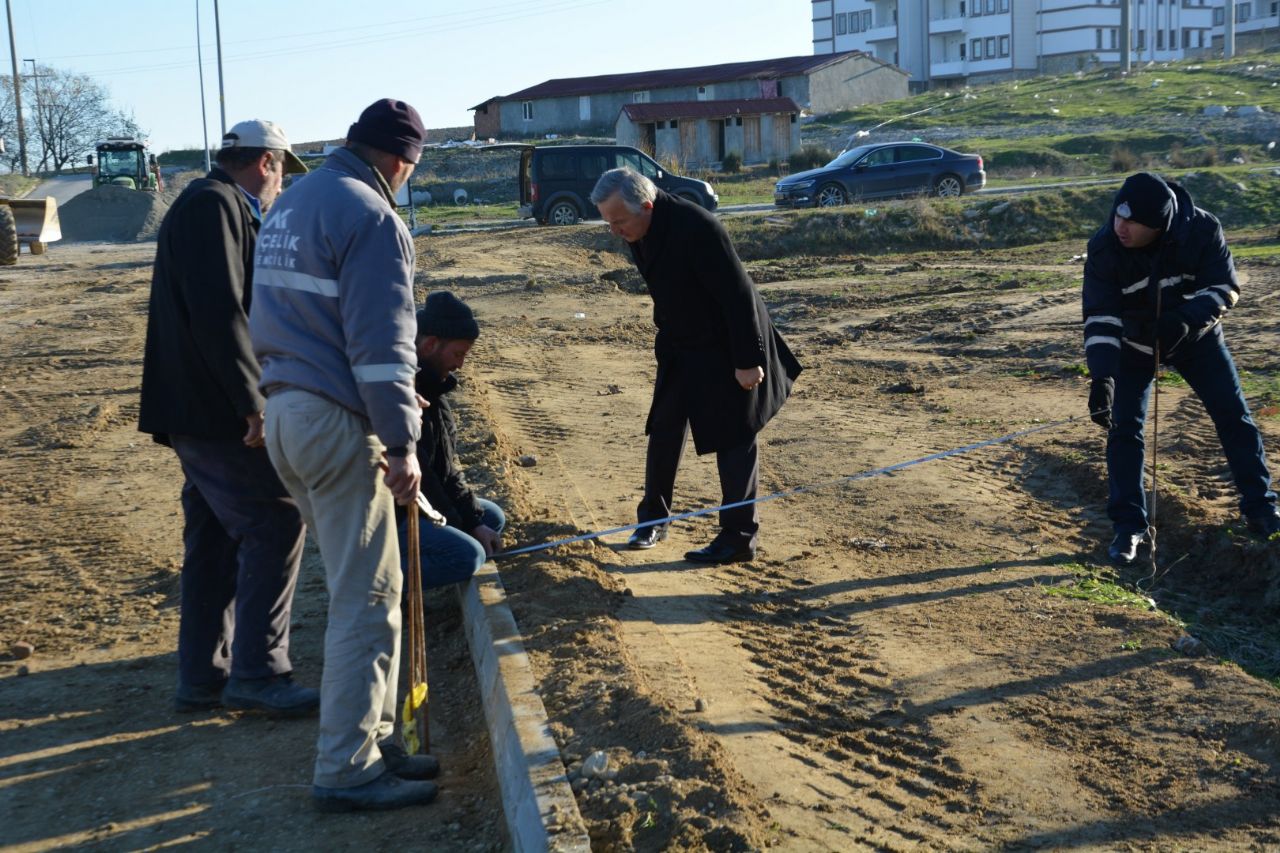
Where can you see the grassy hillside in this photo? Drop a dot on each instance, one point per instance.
(1162, 90)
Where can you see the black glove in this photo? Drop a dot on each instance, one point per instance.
(1102, 393)
(1139, 329)
(1172, 330)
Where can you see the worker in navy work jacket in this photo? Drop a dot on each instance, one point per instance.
(1158, 242)
(723, 369)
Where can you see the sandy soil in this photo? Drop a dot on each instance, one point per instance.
(902, 667)
(91, 754)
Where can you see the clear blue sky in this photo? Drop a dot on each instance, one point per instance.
(312, 65)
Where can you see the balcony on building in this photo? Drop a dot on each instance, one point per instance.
(886, 32)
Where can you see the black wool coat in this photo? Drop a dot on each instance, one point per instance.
(199, 375)
(443, 481)
(711, 321)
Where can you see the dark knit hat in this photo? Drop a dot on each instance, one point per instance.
(1146, 199)
(391, 126)
(446, 316)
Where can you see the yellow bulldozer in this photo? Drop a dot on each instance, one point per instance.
(33, 221)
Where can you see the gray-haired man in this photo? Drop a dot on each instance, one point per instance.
(723, 370)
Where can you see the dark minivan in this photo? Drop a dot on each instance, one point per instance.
(556, 180)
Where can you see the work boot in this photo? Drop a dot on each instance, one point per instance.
(1124, 548)
(1266, 525)
(275, 695)
(189, 698)
(386, 792)
(407, 766)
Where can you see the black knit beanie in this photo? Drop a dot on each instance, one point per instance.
(1146, 199)
(446, 316)
(391, 126)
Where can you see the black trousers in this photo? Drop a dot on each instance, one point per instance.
(242, 544)
(739, 469)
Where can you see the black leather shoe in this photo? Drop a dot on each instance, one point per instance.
(1265, 526)
(386, 792)
(189, 698)
(407, 766)
(276, 696)
(721, 552)
(646, 537)
(1124, 548)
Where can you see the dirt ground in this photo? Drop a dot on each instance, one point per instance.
(926, 660)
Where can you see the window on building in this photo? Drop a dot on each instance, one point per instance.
(1186, 38)
(962, 50)
(526, 110)
(1159, 39)
(1218, 17)
(584, 108)
(962, 8)
(989, 47)
(1004, 45)
(990, 7)
(975, 48)
(842, 24)
(1244, 11)
(1142, 40)
(1004, 5)
(1173, 39)
(1098, 33)
(1115, 38)
(866, 20)
(641, 97)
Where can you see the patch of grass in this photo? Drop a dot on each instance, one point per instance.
(1099, 587)
(443, 214)
(16, 186)
(1171, 379)
(1263, 250)
(1262, 389)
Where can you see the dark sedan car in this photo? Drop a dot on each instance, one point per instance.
(884, 170)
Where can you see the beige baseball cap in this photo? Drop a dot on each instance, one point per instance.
(257, 133)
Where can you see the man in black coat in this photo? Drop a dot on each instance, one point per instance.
(1158, 281)
(452, 553)
(723, 370)
(243, 534)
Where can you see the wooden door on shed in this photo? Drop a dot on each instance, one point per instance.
(751, 139)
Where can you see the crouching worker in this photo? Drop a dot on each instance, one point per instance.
(1157, 237)
(451, 554)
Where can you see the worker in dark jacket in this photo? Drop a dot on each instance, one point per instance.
(447, 329)
(243, 533)
(723, 370)
(1158, 281)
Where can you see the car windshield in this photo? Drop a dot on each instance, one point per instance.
(848, 158)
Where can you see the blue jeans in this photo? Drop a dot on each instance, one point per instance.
(450, 555)
(1209, 370)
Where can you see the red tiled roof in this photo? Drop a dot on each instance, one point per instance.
(760, 69)
(663, 110)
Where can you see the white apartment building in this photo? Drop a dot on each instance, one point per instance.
(944, 42)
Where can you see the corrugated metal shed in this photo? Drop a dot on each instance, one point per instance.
(665, 110)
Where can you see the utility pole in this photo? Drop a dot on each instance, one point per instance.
(222, 95)
(17, 92)
(44, 148)
(1126, 34)
(204, 119)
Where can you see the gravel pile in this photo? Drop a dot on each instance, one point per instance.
(112, 214)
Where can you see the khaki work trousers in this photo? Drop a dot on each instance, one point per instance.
(328, 459)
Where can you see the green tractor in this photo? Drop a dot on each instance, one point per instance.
(124, 162)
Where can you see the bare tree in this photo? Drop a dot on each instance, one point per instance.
(9, 124)
(71, 116)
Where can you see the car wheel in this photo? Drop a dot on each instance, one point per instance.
(831, 195)
(563, 213)
(948, 186)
